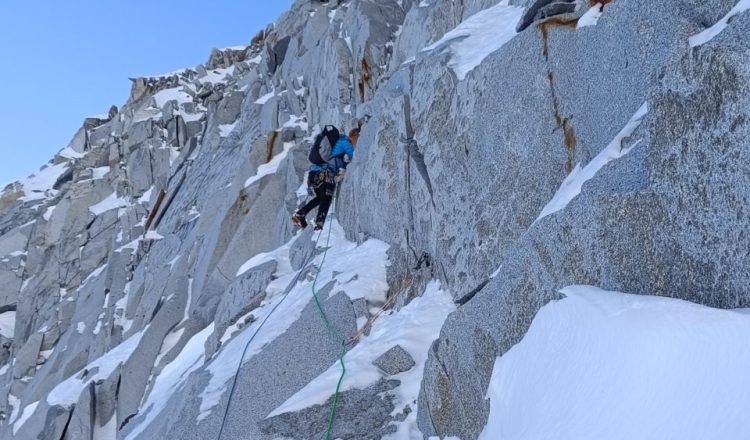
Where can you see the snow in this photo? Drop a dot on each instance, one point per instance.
(296, 121)
(81, 327)
(591, 17)
(99, 173)
(146, 197)
(478, 36)
(174, 94)
(366, 279)
(217, 75)
(98, 326)
(174, 154)
(302, 190)
(193, 213)
(14, 403)
(119, 315)
(414, 328)
(108, 204)
(170, 341)
(45, 354)
(572, 184)
(424, 4)
(708, 34)
(39, 185)
(93, 275)
(5, 369)
(133, 245)
(153, 235)
(265, 98)
(48, 213)
(8, 324)
(226, 129)
(108, 431)
(608, 365)
(66, 393)
(496, 272)
(172, 379)
(270, 167)
(70, 153)
(174, 261)
(25, 414)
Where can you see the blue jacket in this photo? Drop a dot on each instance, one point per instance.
(343, 146)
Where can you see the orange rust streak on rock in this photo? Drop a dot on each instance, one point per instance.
(364, 79)
(569, 133)
(570, 143)
(553, 21)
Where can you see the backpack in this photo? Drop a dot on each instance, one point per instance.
(320, 153)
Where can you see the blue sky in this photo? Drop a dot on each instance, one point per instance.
(65, 60)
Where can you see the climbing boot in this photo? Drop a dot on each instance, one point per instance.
(299, 220)
(318, 226)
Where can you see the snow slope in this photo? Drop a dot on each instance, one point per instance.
(608, 365)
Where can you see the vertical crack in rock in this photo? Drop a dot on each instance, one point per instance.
(562, 122)
(413, 148)
(67, 423)
(171, 199)
(155, 209)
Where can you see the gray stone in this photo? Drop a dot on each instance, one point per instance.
(230, 107)
(81, 424)
(650, 197)
(243, 295)
(45, 423)
(105, 397)
(137, 369)
(360, 308)
(395, 360)
(360, 414)
(302, 250)
(27, 355)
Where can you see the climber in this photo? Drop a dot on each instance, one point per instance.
(330, 154)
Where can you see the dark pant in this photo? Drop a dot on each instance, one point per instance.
(323, 197)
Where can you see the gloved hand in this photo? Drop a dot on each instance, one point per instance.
(340, 176)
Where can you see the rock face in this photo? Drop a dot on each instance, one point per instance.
(394, 361)
(150, 271)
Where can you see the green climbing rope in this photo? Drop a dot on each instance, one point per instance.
(331, 330)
